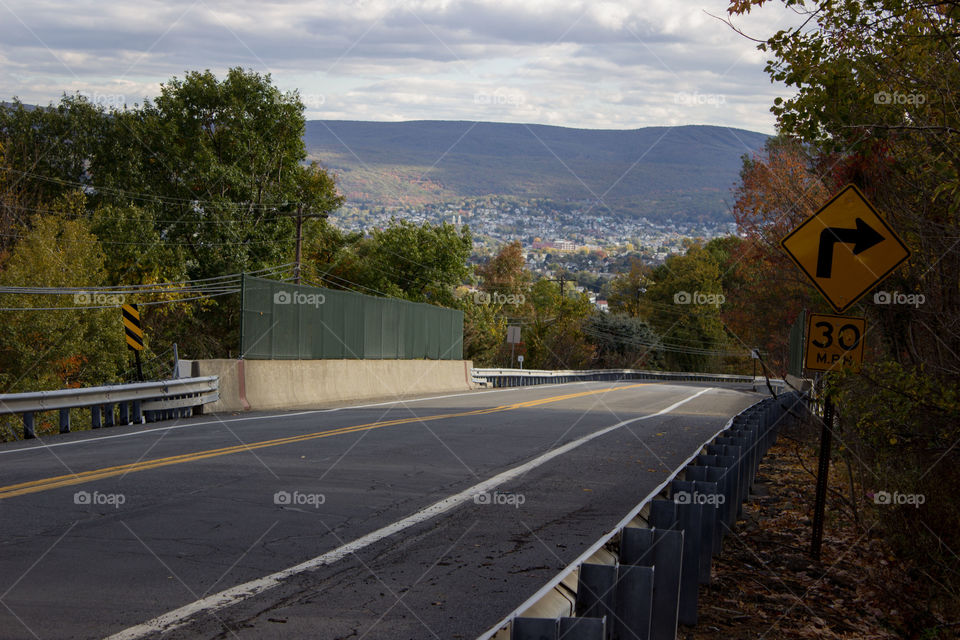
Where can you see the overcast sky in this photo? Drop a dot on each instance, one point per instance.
(617, 65)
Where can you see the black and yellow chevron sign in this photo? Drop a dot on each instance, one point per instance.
(132, 327)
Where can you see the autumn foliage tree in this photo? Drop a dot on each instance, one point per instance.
(48, 350)
(778, 189)
(875, 105)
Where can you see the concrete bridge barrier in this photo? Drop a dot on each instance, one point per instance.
(266, 385)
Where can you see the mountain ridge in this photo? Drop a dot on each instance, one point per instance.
(682, 172)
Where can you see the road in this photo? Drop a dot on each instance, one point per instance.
(428, 518)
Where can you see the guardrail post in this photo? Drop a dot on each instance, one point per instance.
(634, 601)
(108, 415)
(137, 416)
(596, 588)
(582, 628)
(533, 628)
(689, 518)
(28, 431)
(64, 420)
(737, 472)
(721, 477)
(708, 526)
(95, 417)
(553, 629)
(663, 514)
(663, 550)
(124, 412)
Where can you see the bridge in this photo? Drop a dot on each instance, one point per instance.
(429, 517)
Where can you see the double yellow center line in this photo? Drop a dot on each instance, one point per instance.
(45, 484)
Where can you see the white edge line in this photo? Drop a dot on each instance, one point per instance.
(274, 416)
(178, 617)
(599, 544)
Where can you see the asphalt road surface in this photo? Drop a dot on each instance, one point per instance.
(428, 518)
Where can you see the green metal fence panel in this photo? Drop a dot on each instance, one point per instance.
(282, 321)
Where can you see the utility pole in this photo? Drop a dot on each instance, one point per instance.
(296, 268)
(300, 216)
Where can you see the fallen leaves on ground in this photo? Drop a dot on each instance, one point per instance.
(765, 585)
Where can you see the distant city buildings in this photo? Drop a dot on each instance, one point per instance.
(543, 229)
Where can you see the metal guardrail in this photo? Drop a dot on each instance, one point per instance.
(135, 403)
(641, 579)
(524, 377)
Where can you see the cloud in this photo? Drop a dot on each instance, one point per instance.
(587, 64)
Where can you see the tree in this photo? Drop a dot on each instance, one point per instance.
(201, 181)
(554, 336)
(503, 299)
(682, 304)
(778, 189)
(329, 257)
(627, 289)
(484, 334)
(57, 348)
(874, 105)
(424, 263)
(506, 272)
(225, 157)
(623, 342)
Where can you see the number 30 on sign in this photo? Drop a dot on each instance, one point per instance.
(835, 343)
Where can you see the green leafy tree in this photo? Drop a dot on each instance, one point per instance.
(422, 263)
(329, 256)
(503, 299)
(57, 348)
(627, 289)
(682, 304)
(484, 334)
(623, 342)
(225, 156)
(555, 336)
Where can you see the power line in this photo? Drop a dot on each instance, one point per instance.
(114, 306)
(89, 216)
(212, 283)
(133, 195)
(198, 243)
(199, 289)
(658, 345)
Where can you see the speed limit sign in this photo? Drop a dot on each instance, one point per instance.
(835, 343)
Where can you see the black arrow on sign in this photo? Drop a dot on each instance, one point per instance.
(862, 238)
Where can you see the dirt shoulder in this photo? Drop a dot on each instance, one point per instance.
(766, 586)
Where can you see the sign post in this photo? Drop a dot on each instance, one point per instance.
(823, 468)
(845, 249)
(513, 337)
(133, 331)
